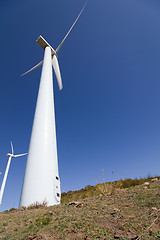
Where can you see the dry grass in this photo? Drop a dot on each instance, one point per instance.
(124, 214)
(106, 188)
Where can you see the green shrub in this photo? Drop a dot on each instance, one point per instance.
(42, 220)
(12, 209)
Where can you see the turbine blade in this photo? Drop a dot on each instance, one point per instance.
(38, 65)
(60, 45)
(57, 71)
(12, 147)
(19, 155)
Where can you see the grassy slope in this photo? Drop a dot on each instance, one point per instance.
(112, 212)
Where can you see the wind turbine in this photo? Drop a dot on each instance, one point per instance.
(41, 181)
(10, 155)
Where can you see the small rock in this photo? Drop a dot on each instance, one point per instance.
(132, 236)
(115, 214)
(77, 204)
(35, 237)
(116, 210)
(154, 208)
(129, 236)
(116, 236)
(73, 203)
(146, 185)
(154, 180)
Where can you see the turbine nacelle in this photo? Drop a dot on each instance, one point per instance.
(43, 43)
(12, 154)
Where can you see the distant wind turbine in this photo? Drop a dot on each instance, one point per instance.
(10, 155)
(41, 180)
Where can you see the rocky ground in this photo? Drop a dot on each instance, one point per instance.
(130, 213)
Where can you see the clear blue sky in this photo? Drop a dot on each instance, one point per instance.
(108, 114)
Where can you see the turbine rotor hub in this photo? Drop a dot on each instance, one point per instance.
(10, 155)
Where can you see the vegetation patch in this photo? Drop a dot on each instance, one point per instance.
(42, 221)
(120, 210)
(107, 188)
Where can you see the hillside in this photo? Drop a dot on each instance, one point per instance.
(111, 212)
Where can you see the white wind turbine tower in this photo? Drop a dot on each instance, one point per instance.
(41, 180)
(10, 155)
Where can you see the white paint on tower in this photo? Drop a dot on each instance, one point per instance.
(41, 181)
